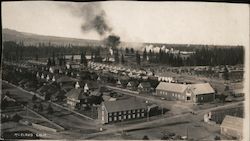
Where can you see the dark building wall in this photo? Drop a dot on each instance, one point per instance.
(144, 90)
(219, 115)
(126, 115)
(122, 115)
(204, 98)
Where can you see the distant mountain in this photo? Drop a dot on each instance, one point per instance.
(35, 39)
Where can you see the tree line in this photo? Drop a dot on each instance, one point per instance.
(203, 56)
(208, 56)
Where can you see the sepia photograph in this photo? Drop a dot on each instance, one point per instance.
(124, 70)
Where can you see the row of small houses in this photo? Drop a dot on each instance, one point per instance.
(100, 68)
(171, 91)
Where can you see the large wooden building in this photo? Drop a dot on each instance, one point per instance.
(196, 93)
(121, 110)
(232, 127)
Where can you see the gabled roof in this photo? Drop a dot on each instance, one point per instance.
(66, 79)
(145, 85)
(172, 87)
(132, 83)
(122, 82)
(124, 105)
(202, 88)
(232, 122)
(76, 94)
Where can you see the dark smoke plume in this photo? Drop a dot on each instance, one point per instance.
(99, 24)
(93, 16)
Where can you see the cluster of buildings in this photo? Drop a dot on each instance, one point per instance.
(163, 48)
(133, 73)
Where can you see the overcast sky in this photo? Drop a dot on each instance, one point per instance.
(164, 22)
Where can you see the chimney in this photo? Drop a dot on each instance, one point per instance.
(42, 76)
(77, 85)
(53, 79)
(86, 88)
(47, 77)
(37, 74)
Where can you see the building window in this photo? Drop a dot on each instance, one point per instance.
(142, 114)
(138, 115)
(110, 118)
(115, 113)
(129, 111)
(120, 113)
(201, 98)
(125, 112)
(133, 111)
(133, 115)
(124, 117)
(120, 117)
(129, 116)
(142, 110)
(110, 114)
(115, 118)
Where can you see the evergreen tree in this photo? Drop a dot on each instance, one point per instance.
(226, 73)
(127, 50)
(81, 61)
(92, 55)
(132, 50)
(138, 58)
(49, 62)
(84, 59)
(145, 54)
(36, 57)
(122, 59)
(53, 63)
(116, 56)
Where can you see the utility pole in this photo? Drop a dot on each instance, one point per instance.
(161, 110)
(147, 114)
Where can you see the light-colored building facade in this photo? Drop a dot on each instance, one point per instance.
(196, 93)
(232, 127)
